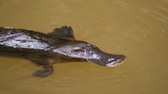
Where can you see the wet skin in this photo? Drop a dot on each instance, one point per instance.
(58, 45)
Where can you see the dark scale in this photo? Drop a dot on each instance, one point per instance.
(58, 45)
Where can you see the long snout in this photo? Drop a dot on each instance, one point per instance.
(106, 59)
(114, 60)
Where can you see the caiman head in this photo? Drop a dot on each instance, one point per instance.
(84, 50)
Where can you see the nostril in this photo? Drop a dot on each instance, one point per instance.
(122, 57)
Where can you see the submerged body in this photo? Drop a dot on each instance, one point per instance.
(39, 48)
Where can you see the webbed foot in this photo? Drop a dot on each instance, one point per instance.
(48, 70)
(42, 73)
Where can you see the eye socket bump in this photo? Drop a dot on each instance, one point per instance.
(82, 49)
(78, 49)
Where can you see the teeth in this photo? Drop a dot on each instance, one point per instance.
(113, 64)
(110, 59)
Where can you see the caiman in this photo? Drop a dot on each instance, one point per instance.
(42, 49)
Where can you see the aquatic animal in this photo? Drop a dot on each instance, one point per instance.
(45, 49)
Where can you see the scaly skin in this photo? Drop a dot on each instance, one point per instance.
(39, 48)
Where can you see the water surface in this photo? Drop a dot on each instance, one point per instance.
(135, 28)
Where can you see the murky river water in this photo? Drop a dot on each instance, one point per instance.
(135, 28)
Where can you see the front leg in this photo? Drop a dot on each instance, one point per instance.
(48, 67)
(48, 70)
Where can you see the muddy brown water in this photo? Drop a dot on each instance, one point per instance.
(135, 28)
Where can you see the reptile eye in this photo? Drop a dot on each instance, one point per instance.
(77, 49)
